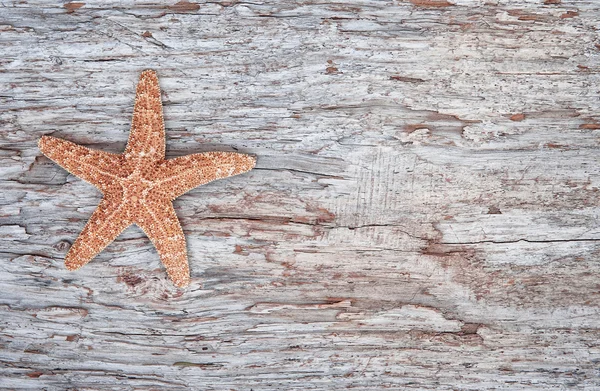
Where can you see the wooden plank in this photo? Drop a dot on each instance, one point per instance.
(424, 213)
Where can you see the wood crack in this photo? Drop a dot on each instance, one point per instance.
(523, 240)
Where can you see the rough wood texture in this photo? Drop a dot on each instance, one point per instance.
(423, 215)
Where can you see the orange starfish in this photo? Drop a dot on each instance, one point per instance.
(140, 185)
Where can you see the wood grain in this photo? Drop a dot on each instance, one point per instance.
(423, 215)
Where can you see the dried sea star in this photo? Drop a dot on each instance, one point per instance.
(140, 185)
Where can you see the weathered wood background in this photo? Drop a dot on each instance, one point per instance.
(424, 213)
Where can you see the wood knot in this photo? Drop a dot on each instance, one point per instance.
(63, 246)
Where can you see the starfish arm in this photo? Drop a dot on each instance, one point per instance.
(96, 167)
(161, 225)
(106, 223)
(147, 137)
(175, 177)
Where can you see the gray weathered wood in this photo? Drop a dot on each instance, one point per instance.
(424, 214)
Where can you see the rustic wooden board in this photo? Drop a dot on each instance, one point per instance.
(424, 213)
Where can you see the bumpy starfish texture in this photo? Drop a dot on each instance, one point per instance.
(139, 185)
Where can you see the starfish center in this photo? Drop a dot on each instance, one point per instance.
(136, 188)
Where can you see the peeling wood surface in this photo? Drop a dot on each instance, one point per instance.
(424, 214)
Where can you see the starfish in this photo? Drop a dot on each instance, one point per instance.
(139, 185)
